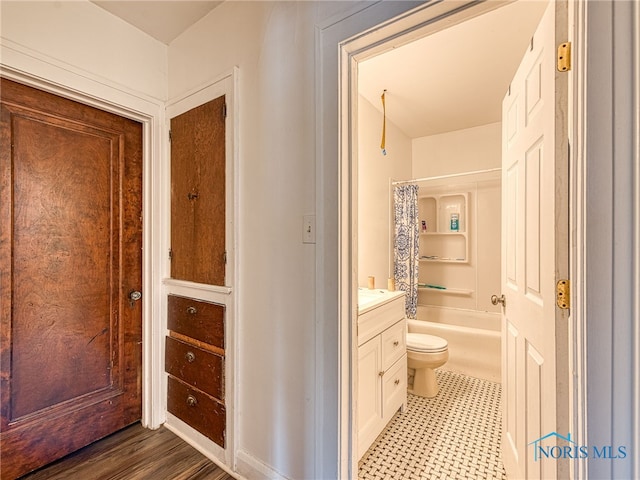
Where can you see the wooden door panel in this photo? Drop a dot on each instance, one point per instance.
(74, 210)
(198, 194)
(70, 254)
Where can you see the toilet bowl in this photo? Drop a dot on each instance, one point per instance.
(424, 354)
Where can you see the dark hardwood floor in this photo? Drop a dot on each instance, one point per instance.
(134, 453)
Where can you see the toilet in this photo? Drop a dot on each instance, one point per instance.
(426, 353)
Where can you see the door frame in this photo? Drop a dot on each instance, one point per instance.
(376, 29)
(61, 79)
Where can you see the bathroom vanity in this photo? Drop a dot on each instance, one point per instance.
(382, 362)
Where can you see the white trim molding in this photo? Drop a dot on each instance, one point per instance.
(611, 227)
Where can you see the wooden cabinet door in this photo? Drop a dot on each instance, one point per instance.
(198, 194)
(70, 255)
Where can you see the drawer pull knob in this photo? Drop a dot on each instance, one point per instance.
(397, 382)
(191, 401)
(190, 357)
(192, 310)
(396, 343)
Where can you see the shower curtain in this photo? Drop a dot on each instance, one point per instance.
(405, 200)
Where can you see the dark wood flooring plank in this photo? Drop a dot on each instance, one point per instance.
(134, 453)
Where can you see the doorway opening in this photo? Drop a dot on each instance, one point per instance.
(455, 161)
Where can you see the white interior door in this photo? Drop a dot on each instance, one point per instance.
(532, 117)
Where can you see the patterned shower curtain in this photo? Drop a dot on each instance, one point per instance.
(405, 200)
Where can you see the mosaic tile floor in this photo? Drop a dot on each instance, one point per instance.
(455, 435)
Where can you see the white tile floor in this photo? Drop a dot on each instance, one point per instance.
(455, 435)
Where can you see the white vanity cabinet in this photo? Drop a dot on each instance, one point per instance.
(382, 366)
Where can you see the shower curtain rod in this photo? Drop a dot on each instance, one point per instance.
(441, 177)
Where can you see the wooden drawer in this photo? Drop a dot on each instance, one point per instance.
(195, 366)
(394, 343)
(197, 409)
(203, 321)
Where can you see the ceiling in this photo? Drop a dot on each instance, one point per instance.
(163, 20)
(450, 80)
(456, 78)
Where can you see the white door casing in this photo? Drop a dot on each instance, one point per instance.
(533, 126)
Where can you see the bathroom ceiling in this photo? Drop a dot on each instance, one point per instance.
(163, 20)
(456, 78)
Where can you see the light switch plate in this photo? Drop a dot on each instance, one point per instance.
(309, 229)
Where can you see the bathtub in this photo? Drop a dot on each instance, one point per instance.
(473, 337)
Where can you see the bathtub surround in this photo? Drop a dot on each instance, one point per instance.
(459, 269)
(455, 435)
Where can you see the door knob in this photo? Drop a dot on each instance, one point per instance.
(495, 300)
(134, 296)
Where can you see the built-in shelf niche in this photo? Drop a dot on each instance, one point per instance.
(439, 240)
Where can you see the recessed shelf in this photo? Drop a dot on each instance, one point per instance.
(444, 233)
(444, 260)
(450, 291)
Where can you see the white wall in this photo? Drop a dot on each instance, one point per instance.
(472, 148)
(89, 41)
(374, 172)
(460, 151)
(272, 43)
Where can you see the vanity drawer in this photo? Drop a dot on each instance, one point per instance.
(394, 343)
(203, 321)
(195, 366)
(197, 409)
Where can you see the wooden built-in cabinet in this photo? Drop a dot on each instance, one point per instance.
(194, 360)
(195, 346)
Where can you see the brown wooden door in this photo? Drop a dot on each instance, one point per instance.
(70, 254)
(198, 194)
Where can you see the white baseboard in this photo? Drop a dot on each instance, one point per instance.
(252, 468)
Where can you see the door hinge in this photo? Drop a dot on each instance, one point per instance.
(224, 110)
(169, 136)
(564, 57)
(170, 254)
(225, 257)
(563, 296)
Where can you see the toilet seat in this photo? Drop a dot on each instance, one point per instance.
(421, 342)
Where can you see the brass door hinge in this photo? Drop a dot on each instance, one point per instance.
(563, 294)
(564, 57)
(170, 254)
